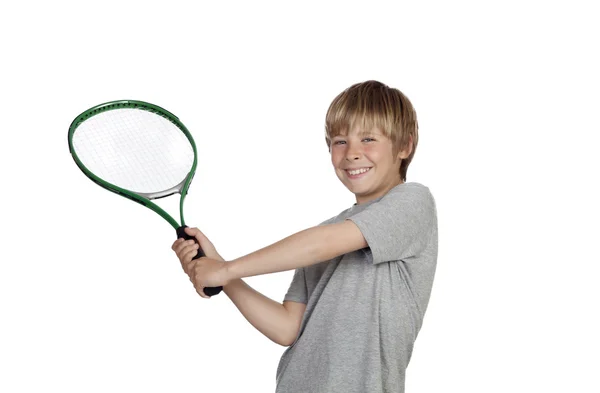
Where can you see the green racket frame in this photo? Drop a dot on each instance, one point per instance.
(121, 104)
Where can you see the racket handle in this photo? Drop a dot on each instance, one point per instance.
(209, 291)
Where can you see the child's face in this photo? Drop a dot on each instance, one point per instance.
(365, 164)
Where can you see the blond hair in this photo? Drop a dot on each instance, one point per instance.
(372, 104)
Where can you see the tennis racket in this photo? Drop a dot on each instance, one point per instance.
(139, 151)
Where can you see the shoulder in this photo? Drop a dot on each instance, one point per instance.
(412, 188)
(413, 193)
(400, 224)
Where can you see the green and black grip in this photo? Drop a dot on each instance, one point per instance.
(209, 291)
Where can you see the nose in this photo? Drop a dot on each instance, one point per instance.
(353, 153)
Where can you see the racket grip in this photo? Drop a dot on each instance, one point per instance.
(209, 291)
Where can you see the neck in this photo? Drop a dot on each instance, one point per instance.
(360, 199)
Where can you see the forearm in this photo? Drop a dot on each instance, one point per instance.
(305, 248)
(268, 316)
(299, 250)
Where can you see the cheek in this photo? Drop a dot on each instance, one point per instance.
(336, 156)
(372, 153)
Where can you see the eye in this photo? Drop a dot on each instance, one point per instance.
(338, 142)
(368, 139)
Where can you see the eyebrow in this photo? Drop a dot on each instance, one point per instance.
(360, 134)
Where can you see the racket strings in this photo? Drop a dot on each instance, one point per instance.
(134, 149)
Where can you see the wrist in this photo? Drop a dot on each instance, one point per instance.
(231, 270)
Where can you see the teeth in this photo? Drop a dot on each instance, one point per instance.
(358, 171)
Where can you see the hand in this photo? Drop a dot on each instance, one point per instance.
(206, 272)
(187, 249)
(209, 249)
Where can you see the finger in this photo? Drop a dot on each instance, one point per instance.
(192, 231)
(187, 265)
(196, 233)
(176, 243)
(196, 281)
(201, 293)
(187, 260)
(183, 247)
(190, 252)
(185, 243)
(199, 289)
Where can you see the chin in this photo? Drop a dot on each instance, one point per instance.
(358, 189)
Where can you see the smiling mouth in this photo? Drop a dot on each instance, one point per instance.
(357, 172)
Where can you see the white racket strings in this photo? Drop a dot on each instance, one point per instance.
(134, 149)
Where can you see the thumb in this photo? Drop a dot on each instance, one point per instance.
(207, 246)
(195, 232)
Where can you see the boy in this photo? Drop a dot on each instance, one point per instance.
(363, 278)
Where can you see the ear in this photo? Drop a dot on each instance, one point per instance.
(406, 152)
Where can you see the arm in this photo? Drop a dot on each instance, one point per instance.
(279, 322)
(305, 248)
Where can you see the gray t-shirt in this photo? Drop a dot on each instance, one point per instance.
(364, 309)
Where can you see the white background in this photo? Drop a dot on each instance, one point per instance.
(92, 299)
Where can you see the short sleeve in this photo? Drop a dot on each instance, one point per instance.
(399, 225)
(297, 291)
